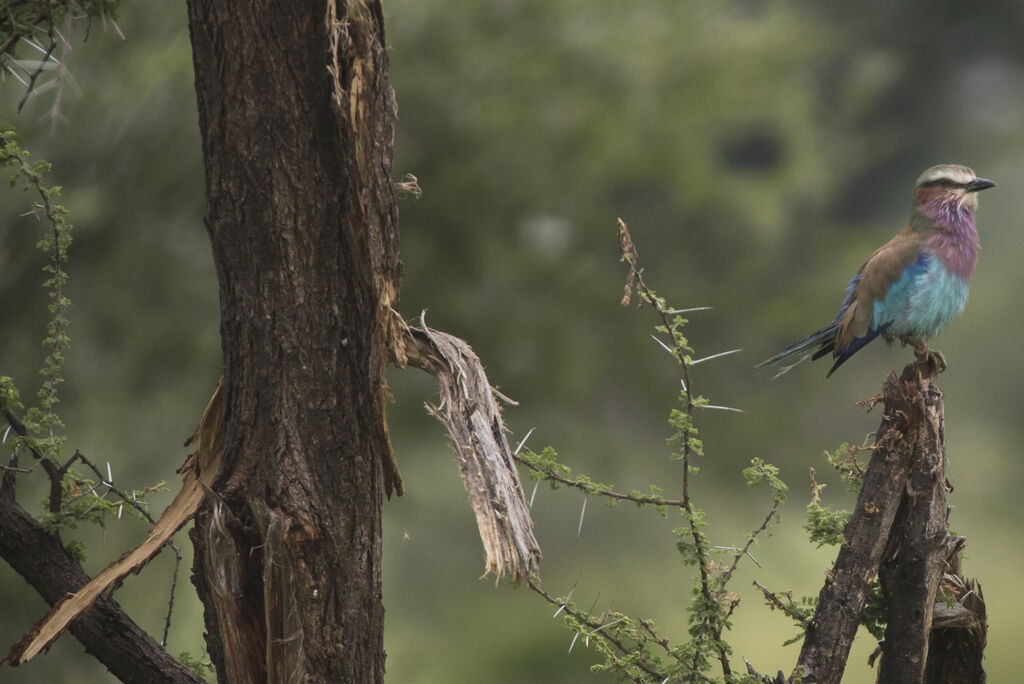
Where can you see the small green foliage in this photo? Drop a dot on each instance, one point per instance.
(801, 613)
(76, 549)
(84, 500)
(8, 394)
(78, 503)
(851, 469)
(825, 524)
(875, 610)
(761, 473)
(42, 421)
(201, 666)
(545, 466)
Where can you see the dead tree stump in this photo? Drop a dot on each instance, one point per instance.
(899, 533)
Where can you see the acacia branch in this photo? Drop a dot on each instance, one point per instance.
(727, 575)
(106, 631)
(591, 490)
(640, 661)
(681, 351)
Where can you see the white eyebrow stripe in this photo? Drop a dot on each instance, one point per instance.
(956, 174)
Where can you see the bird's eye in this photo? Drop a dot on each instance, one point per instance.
(942, 183)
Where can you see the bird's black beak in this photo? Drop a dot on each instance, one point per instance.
(979, 184)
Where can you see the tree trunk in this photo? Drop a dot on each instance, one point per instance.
(297, 117)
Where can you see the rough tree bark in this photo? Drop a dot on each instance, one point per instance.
(916, 556)
(296, 115)
(899, 532)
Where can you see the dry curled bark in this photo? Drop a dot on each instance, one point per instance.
(959, 627)
(898, 528)
(471, 415)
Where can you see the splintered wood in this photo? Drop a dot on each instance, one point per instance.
(199, 470)
(470, 413)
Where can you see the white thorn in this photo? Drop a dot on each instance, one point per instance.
(567, 598)
(534, 493)
(715, 356)
(664, 346)
(574, 641)
(692, 308)
(521, 443)
(723, 408)
(609, 624)
(582, 511)
(20, 80)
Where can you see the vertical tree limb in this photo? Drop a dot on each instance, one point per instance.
(910, 572)
(900, 526)
(830, 633)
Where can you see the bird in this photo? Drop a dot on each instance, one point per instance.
(913, 285)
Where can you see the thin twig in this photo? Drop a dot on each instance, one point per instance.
(42, 62)
(134, 503)
(590, 491)
(727, 575)
(170, 601)
(635, 277)
(110, 485)
(594, 625)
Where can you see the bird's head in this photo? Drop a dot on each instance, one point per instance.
(949, 185)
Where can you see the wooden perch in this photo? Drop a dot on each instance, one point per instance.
(470, 413)
(199, 469)
(899, 532)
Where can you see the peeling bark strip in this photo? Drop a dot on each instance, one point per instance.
(473, 419)
(199, 469)
(106, 631)
(899, 528)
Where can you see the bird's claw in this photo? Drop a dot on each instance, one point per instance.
(925, 356)
(936, 360)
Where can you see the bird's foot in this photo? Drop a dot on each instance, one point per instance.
(932, 358)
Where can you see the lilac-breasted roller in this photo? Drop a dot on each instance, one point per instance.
(913, 285)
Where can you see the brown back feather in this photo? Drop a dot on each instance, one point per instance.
(878, 273)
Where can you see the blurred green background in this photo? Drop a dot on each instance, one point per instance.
(759, 152)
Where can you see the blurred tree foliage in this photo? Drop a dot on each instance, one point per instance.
(759, 150)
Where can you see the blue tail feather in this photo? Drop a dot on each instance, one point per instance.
(855, 346)
(791, 356)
